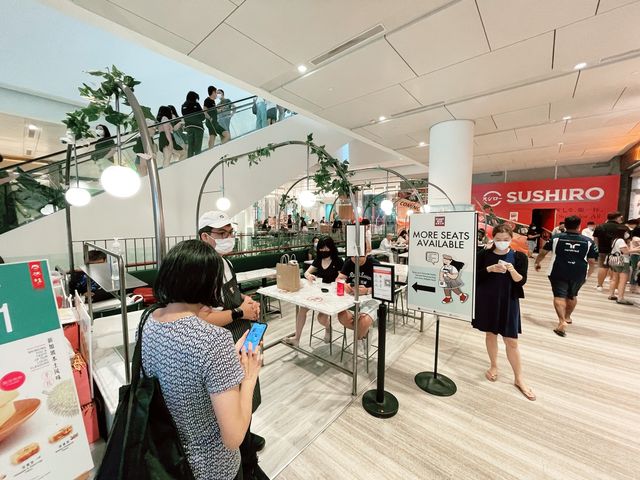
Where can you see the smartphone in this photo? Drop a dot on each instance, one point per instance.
(255, 335)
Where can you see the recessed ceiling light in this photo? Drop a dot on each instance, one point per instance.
(580, 66)
(560, 143)
(566, 117)
(423, 144)
(302, 68)
(31, 126)
(382, 118)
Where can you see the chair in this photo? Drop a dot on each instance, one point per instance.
(367, 355)
(314, 334)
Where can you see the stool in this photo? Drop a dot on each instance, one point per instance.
(399, 294)
(268, 307)
(313, 334)
(367, 355)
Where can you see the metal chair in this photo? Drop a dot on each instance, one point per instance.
(368, 354)
(314, 334)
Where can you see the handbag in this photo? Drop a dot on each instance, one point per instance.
(288, 274)
(144, 443)
(614, 260)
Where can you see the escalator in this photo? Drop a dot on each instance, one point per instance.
(36, 188)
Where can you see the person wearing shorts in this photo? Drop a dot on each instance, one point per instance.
(368, 306)
(212, 124)
(573, 258)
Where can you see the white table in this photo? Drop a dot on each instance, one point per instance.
(259, 274)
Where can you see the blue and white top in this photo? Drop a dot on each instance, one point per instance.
(571, 254)
(193, 359)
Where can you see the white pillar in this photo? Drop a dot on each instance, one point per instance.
(451, 162)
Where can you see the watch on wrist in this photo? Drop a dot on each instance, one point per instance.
(237, 313)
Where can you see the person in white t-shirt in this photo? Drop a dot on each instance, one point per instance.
(621, 251)
(588, 232)
(387, 243)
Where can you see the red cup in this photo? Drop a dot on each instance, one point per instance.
(340, 288)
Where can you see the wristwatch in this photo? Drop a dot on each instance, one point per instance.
(237, 313)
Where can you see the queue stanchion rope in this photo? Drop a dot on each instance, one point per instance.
(379, 402)
(433, 382)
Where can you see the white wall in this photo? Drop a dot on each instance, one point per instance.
(108, 217)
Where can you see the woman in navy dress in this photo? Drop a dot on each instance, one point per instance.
(500, 274)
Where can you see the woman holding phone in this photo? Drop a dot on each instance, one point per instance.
(500, 275)
(207, 381)
(326, 266)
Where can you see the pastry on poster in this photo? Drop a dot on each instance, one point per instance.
(14, 412)
(7, 408)
(60, 434)
(25, 453)
(62, 399)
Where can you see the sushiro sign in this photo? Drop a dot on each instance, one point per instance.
(591, 198)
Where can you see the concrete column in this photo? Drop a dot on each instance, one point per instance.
(451, 163)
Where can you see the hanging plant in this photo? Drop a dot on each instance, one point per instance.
(100, 104)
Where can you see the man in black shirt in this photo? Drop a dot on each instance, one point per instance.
(603, 236)
(368, 306)
(213, 126)
(574, 257)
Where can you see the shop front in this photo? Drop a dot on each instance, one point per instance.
(547, 202)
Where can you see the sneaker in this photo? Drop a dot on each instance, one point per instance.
(327, 337)
(599, 288)
(463, 297)
(447, 300)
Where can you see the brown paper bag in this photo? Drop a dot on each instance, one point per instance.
(288, 274)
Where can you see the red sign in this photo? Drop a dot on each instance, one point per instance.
(591, 198)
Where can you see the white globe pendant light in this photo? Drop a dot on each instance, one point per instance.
(119, 181)
(78, 197)
(387, 206)
(307, 198)
(223, 203)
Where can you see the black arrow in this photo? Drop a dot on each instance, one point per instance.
(424, 288)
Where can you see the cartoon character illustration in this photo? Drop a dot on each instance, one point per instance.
(450, 279)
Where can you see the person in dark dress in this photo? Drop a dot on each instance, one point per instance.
(500, 275)
(326, 266)
(216, 229)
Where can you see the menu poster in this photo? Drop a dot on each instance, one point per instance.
(42, 433)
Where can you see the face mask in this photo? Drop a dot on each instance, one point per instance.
(324, 254)
(219, 96)
(225, 245)
(592, 228)
(100, 133)
(502, 245)
(626, 235)
(315, 244)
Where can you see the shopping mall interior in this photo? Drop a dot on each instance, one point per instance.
(471, 166)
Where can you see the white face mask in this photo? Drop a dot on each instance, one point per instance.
(100, 133)
(225, 245)
(219, 96)
(502, 245)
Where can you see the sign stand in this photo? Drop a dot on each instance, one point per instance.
(433, 382)
(379, 402)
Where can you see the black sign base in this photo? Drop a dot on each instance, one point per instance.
(437, 384)
(385, 409)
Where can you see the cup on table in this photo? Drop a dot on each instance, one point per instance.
(340, 288)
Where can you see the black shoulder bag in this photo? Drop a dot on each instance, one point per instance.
(144, 443)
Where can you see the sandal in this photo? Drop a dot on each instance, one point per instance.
(560, 333)
(491, 377)
(613, 297)
(291, 341)
(528, 395)
(568, 322)
(624, 301)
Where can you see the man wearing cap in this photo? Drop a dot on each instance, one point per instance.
(216, 229)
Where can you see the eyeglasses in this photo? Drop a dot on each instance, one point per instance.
(222, 235)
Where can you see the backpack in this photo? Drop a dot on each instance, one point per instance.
(144, 443)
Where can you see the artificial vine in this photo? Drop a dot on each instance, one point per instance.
(100, 104)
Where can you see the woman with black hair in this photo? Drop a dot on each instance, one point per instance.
(207, 381)
(500, 275)
(403, 239)
(326, 267)
(105, 147)
(193, 123)
(179, 137)
(165, 129)
(621, 251)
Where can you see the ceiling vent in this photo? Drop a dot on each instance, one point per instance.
(348, 44)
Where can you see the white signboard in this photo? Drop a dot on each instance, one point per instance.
(442, 254)
(383, 283)
(42, 433)
(351, 240)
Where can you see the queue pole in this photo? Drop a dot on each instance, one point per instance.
(433, 382)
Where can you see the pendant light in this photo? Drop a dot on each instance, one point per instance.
(223, 203)
(307, 198)
(387, 205)
(118, 180)
(77, 196)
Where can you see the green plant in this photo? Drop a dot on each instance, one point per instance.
(100, 104)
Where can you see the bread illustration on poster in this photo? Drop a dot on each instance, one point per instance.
(449, 279)
(13, 410)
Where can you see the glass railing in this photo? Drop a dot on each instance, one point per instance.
(36, 188)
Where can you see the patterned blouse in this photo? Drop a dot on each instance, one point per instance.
(193, 359)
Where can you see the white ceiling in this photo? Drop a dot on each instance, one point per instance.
(507, 64)
(18, 141)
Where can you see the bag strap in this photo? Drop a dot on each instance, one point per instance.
(284, 258)
(136, 363)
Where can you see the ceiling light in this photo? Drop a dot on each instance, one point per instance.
(223, 204)
(382, 118)
(32, 127)
(566, 117)
(78, 197)
(579, 66)
(119, 181)
(423, 144)
(307, 198)
(302, 68)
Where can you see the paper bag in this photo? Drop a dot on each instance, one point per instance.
(81, 378)
(288, 274)
(90, 418)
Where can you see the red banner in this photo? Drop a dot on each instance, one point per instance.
(591, 198)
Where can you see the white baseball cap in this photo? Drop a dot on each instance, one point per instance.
(214, 219)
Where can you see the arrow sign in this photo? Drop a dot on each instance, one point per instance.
(424, 288)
